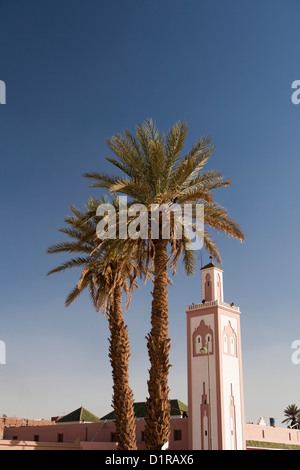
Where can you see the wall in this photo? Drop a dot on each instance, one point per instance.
(272, 434)
(28, 445)
(18, 422)
(97, 436)
(94, 433)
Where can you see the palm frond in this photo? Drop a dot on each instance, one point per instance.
(101, 180)
(69, 247)
(211, 247)
(72, 296)
(217, 217)
(73, 263)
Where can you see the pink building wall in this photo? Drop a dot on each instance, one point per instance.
(256, 432)
(94, 434)
(79, 436)
(28, 445)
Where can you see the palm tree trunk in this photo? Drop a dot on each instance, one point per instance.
(119, 353)
(157, 429)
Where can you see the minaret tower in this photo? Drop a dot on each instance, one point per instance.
(215, 384)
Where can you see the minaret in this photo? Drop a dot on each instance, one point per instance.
(215, 384)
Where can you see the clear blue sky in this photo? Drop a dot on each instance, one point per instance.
(79, 71)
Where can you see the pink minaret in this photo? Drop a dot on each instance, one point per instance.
(215, 384)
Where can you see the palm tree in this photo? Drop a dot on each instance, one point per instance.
(292, 413)
(106, 272)
(154, 172)
(298, 421)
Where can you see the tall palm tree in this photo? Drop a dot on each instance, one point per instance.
(292, 413)
(154, 172)
(106, 271)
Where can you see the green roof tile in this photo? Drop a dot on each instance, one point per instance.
(177, 408)
(79, 415)
(211, 265)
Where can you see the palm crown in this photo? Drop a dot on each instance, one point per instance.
(156, 173)
(103, 266)
(292, 413)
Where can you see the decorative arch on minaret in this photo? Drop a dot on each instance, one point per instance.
(232, 414)
(229, 340)
(205, 425)
(208, 288)
(203, 336)
(219, 287)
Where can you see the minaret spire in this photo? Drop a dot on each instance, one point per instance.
(212, 282)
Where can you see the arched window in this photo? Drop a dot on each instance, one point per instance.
(232, 346)
(219, 287)
(230, 340)
(198, 344)
(225, 344)
(208, 342)
(208, 289)
(202, 337)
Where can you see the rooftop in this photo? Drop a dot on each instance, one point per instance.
(211, 265)
(80, 415)
(178, 408)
